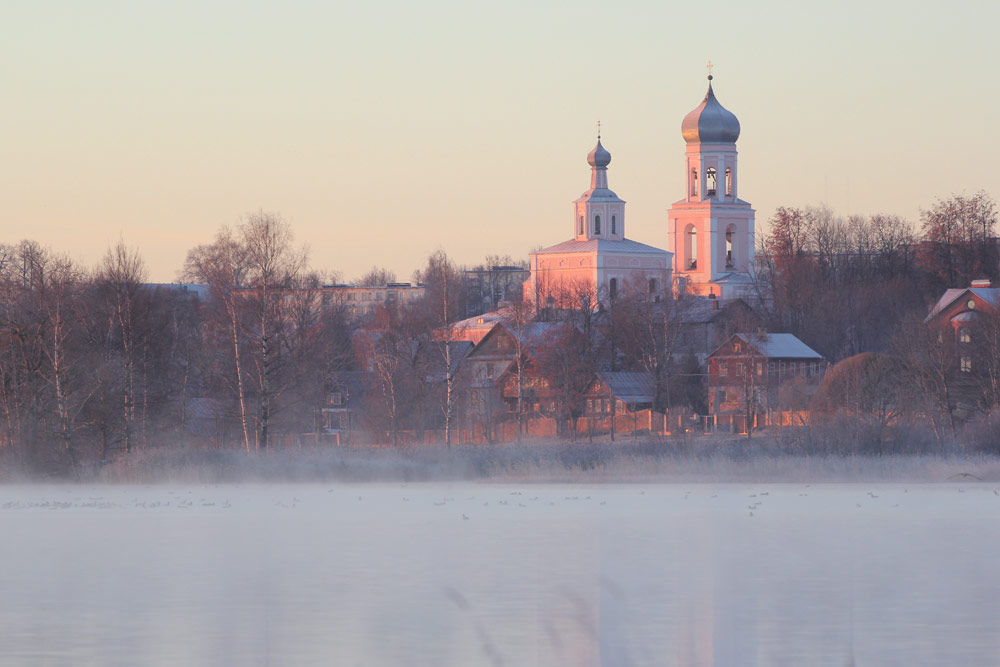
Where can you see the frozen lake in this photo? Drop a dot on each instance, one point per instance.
(500, 574)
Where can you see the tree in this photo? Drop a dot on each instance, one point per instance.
(958, 235)
(119, 278)
(376, 277)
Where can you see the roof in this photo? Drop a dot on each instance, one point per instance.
(710, 122)
(990, 295)
(630, 387)
(600, 245)
(776, 346)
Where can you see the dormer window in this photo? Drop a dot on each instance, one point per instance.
(710, 182)
(597, 224)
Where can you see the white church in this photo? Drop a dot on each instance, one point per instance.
(710, 231)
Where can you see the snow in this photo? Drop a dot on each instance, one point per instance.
(499, 573)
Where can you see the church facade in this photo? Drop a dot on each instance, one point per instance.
(710, 233)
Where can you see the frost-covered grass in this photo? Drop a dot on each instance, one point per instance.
(715, 459)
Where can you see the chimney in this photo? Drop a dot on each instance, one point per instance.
(982, 282)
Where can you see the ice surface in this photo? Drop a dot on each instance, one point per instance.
(500, 574)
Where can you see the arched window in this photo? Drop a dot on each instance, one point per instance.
(710, 182)
(729, 182)
(730, 234)
(597, 224)
(613, 288)
(964, 335)
(614, 227)
(694, 182)
(691, 248)
(579, 226)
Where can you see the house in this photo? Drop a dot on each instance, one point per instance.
(762, 371)
(966, 320)
(341, 414)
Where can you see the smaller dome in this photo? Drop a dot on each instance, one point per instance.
(710, 122)
(599, 157)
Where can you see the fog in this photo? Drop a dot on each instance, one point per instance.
(662, 570)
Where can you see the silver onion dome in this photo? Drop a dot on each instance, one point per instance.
(599, 157)
(710, 122)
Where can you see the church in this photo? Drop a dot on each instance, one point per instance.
(710, 231)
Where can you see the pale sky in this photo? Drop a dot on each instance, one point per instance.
(385, 130)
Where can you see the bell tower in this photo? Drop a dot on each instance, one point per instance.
(711, 230)
(599, 213)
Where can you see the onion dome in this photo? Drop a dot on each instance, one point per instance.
(599, 157)
(710, 122)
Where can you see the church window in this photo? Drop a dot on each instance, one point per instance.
(613, 287)
(694, 182)
(729, 182)
(597, 224)
(964, 335)
(710, 182)
(729, 247)
(691, 254)
(614, 227)
(579, 228)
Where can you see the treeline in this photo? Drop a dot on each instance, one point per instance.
(95, 362)
(846, 285)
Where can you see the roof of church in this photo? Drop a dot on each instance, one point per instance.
(599, 157)
(710, 122)
(600, 194)
(600, 245)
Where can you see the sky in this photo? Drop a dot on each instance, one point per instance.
(385, 130)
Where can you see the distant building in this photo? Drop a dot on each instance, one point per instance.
(486, 289)
(361, 301)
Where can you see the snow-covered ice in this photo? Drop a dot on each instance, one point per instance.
(500, 574)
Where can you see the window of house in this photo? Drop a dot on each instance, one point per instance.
(613, 287)
(812, 368)
(792, 368)
(614, 225)
(350, 297)
(964, 335)
(597, 224)
(722, 368)
(781, 368)
(760, 368)
(336, 398)
(740, 369)
(652, 285)
(770, 368)
(966, 364)
(366, 297)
